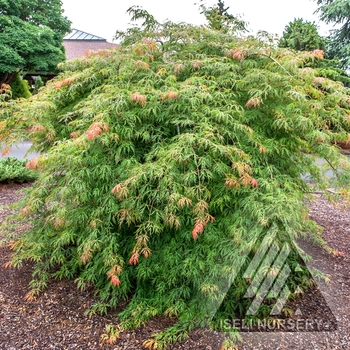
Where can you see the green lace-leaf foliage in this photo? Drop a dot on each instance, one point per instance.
(166, 162)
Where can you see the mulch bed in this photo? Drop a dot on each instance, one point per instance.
(56, 319)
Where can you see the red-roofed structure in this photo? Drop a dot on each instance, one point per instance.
(77, 43)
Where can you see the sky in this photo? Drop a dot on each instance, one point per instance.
(104, 17)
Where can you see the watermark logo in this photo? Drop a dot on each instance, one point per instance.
(268, 275)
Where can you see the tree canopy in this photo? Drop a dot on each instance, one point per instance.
(302, 35)
(219, 18)
(166, 162)
(31, 34)
(338, 13)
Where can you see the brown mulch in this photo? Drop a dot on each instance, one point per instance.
(56, 319)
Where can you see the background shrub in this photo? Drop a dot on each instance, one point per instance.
(14, 170)
(20, 88)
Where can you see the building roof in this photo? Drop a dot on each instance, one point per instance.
(77, 34)
(77, 43)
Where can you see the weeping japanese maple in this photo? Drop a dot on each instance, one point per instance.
(165, 163)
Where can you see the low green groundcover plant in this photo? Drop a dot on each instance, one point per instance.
(166, 163)
(14, 170)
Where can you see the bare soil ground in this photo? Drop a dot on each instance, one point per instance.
(56, 319)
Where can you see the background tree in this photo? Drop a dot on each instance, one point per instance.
(338, 13)
(219, 19)
(166, 33)
(302, 35)
(167, 162)
(31, 34)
